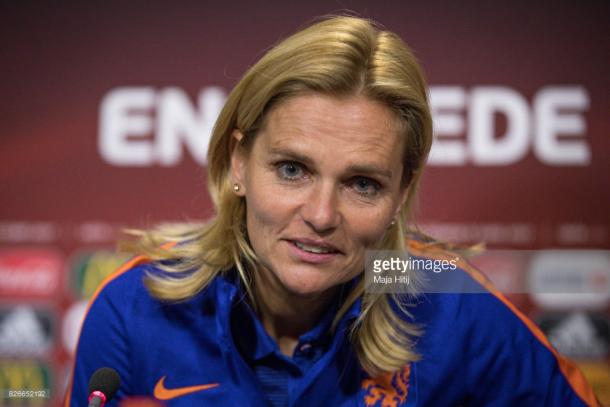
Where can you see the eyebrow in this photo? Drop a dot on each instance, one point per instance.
(364, 169)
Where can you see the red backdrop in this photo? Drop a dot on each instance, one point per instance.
(520, 96)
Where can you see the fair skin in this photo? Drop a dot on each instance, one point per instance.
(322, 182)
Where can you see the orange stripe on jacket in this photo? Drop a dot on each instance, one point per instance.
(571, 372)
(124, 268)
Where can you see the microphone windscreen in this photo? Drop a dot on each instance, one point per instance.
(105, 380)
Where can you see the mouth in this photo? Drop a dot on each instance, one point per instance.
(317, 247)
(312, 248)
(313, 251)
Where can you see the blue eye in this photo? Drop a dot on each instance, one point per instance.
(366, 186)
(289, 170)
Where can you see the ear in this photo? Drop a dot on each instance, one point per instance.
(238, 163)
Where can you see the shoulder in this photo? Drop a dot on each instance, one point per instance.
(484, 338)
(462, 300)
(456, 286)
(125, 328)
(127, 282)
(124, 293)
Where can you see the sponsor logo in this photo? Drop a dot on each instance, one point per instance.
(163, 393)
(25, 332)
(505, 269)
(24, 383)
(96, 232)
(91, 268)
(30, 273)
(73, 320)
(29, 232)
(570, 279)
(493, 234)
(387, 390)
(578, 335)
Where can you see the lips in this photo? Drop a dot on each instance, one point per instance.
(315, 246)
(312, 252)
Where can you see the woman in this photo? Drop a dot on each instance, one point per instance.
(314, 159)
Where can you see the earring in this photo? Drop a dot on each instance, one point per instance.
(236, 187)
(393, 222)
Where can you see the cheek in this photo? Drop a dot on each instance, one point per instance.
(268, 210)
(368, 227)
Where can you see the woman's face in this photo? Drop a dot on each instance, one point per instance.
(322, 183)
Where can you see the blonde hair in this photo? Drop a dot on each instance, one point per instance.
(338, 56)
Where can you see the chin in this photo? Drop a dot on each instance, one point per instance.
(306, 284)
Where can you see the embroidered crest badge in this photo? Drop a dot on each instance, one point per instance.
(389, 390)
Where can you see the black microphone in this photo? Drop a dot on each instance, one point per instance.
(102, 386)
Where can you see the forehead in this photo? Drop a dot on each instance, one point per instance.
(341, 126)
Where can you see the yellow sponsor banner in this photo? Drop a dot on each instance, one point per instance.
(90, 269)
(598, 375)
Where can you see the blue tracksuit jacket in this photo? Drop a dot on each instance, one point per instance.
(477, 350)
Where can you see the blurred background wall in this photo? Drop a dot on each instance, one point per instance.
(106, 111)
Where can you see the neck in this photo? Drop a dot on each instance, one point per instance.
(286, 315)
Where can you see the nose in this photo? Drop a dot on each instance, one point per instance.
(321, 211)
